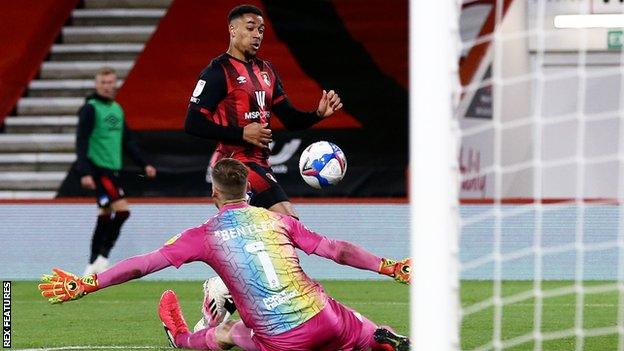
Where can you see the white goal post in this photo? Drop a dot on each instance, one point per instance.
(538, 165)
(433, 174)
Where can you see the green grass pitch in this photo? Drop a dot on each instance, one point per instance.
(600, 310)
(125, 316)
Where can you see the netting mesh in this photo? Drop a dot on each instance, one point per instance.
(542, 167)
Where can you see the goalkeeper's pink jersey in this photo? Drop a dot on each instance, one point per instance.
(253, 251)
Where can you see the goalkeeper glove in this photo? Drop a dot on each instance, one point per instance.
(400, 271)
(62, 286)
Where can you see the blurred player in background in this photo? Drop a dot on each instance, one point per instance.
(233, 102)
(101, 139)
(253, 250)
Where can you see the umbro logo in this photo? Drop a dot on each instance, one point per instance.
(241, 79)
(112, 121)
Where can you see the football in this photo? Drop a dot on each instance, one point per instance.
(322, 164)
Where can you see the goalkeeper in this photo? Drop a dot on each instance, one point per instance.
(253, 251)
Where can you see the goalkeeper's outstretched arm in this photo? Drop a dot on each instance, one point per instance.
(133, 268)
(346, 253)
(62, 286)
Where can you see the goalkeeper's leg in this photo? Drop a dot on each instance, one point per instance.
(222, 337)
(382, 338)
(236, 333)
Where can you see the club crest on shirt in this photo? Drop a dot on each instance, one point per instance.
(241, 79)
(265, 77)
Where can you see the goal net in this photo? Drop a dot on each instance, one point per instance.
(534, 236)
(541, 162)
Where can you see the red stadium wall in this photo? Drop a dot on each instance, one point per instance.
(384, 36)
(155, 94)
(28, 29)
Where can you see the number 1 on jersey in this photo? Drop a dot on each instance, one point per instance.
(257, 247)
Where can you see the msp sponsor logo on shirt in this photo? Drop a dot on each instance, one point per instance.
(258, 115)
(241, 79)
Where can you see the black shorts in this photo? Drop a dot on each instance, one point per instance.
(264, 191)
(107, 186)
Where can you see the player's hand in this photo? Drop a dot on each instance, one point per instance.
(62, 286)
(401, 271)
(87, 182)
(257, 134)
(330, 103)
(150, 171)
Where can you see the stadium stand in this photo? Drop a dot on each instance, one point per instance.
(190, 31)
(37, 148)
(339, 52)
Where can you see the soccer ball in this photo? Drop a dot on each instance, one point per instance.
(218, 305)
(322, 164)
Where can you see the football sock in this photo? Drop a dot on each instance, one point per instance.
(241, 335)
(210, 339)
(206, 339)
(196, 341)
(113, 232)
(99, 235)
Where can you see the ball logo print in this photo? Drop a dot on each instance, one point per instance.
(322, 164)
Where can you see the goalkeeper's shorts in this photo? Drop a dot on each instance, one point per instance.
(336, 327)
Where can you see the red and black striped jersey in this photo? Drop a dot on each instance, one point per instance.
(231, 92)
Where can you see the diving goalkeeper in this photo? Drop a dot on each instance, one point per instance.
(253, 250)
